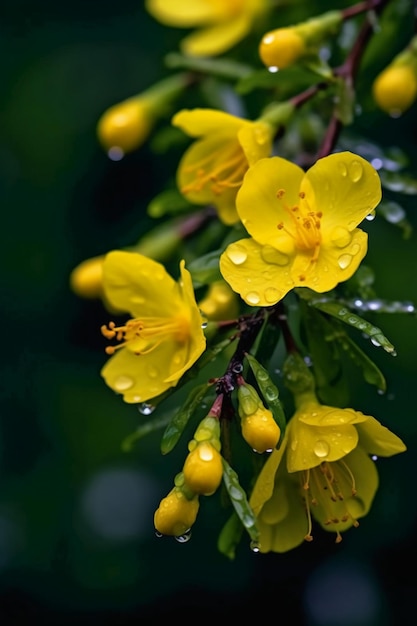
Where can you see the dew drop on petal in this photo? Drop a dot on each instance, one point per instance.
(355, 171)
(344, 261)
(340, 237)
(321, 449)
(184, 537)
(145, 408)
(343, 168)
(271, 295)
(236, 254)
(158, 534)
(255, 546)
(153, 372)
(371, 216)
(123, 383)
(252, 297)
(115, 153)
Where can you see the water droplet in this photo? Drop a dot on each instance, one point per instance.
(271, 394)
(235, 493)
(272, 295)
(115, 153)
(371, 215)
(344, 261)
(153, 372)
(145, 408)
(377, 163)
(374, 457)
(375, 342)
(343, 168)
(184, 537)
(355, 249)
(273, 256)
(273, 69)
(204, 325)
(355, 171)
(158, 534)
(238, 368)
(321, 449)
(123, 383)
(252, 297)
(255, 546)
(341, 237)
(236, 253)
(380, 392)
(294, 445)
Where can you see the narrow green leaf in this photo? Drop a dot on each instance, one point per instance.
(168, 202)
(143, 430)
(230, 536)
(205, 269)
(269, 391)
(240, 502)
(180, 419)
(342, 313)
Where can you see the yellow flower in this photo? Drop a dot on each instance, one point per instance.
(176, 513)
(212, 168)
(395, 89)
(223, 24)
(163, 339)
(303, 226)
(322, 470)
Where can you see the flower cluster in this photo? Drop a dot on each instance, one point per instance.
(268, 217)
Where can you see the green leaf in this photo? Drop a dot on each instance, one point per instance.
(269, 391)
(240, 502)
(342, 313)
(168, 202)
(230, 536)
(180, 419)
(345, 100)
(223, 68)
(143, 430)
(205, 269)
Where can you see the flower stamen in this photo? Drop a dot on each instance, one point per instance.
(228, 174)
(151, 330)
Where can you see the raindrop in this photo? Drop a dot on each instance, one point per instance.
(380, 392)
(344, 261)
(355, 171)
(252, 297)
(255, 546)
(375, 342)
(184, 537)
(341, 237)
(377, 163)
(235, 493)
(153, 372)
(123, 383)
(374, 457)
(238, 368)
(115, 153)
(236, 253)
(273, 69)
(371, 216)
(272, 295)
(145, 408)
(204, 325)
(343, 168)
(321, 448)
(158, 534)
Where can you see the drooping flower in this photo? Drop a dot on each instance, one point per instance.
(322, 470)
(212, 168)
(221, 24)
(164, 337)
(303, 226)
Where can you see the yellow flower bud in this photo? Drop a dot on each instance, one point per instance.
(260, 430)
(395, 89)
(175, 514)
(86, 278)
(203, 469)
(280, 48)
(125, 126)
(220, 303)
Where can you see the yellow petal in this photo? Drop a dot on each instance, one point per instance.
(142, 377)
(256, 141)
(183, 13)
(316, 414)
(258, 281)
(138, 285)
(377, 439)
(258, 196)
(345, 188)
(291, 531)
(217, 39)
(308, 446)
(333, 265)
(201, 122)
(366, 484)
(264, 484)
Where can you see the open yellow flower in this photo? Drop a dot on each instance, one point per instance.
(164, 337)
(303, 226)
(212, 168)
(223, 24)
(322, 470)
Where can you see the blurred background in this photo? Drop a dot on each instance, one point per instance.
(76, 532)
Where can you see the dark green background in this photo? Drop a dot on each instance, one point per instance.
(63, 201)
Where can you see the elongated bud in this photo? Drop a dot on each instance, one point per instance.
(259, 428)
(395, 88)
(86, 279)
(282, 47)
(126, 126)
(176, 513)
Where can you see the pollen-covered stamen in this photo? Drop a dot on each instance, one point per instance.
(305, 478)
(223, 170)
(151, 331)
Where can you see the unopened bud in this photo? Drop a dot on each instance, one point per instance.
(176, 513)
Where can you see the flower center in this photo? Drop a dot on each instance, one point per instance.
(147, 334)
(219, 171)
(329, 486)
(303, 226)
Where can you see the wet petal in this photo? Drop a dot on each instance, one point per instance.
(265, 481)
(316, 414)
(345, 188)
(258, 196)
(217, 39)
(256, 141)
(258, 281)
(377, 439)
(183, 13)
(201, 122)
(136, 284)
